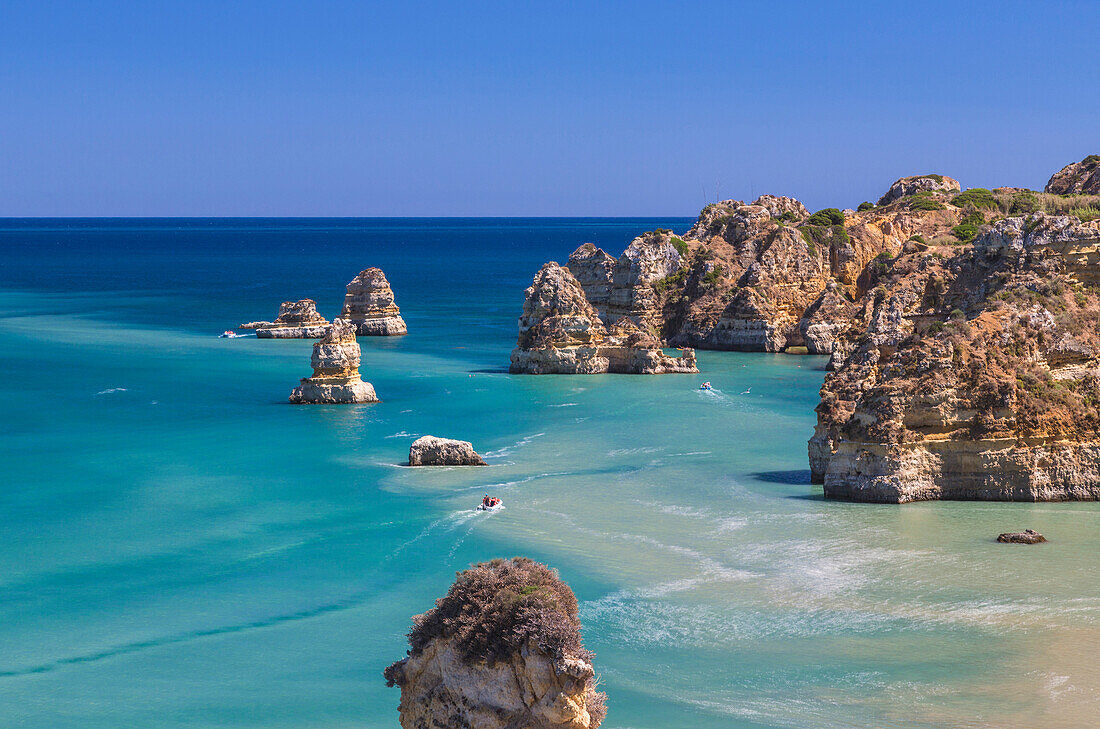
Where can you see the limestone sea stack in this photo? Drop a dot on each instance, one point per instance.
(560, 332)
(502, 650)
(335, 370)
(432, 451)
(296, 320)
(971, 372)
(369, 305)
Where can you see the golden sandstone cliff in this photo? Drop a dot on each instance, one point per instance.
(502, 650)
(336, 376)
(971, 372)
(962, 326)
(560, 332)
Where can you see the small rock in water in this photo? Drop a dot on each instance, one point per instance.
(432, 451)
(1027, 536)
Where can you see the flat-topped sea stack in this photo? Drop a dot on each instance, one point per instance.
(502, 650)
(560, 332)
(429, 450)
(296, 320)
(335, 370)
(370, 306)
(971, 372)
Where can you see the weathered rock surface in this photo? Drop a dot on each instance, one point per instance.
(921, 183)
(502, 650)
(560, 332)
(369, 305)
(973, 376)
(296, 320)
(432, 451)
(336, 376)
(1027, 536)
(1079, 178)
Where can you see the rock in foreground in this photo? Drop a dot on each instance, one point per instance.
(502, 650)
(432, 451)
(560, 332)
(335, 370)
(1027, 536)
(370, 306)
(296, 320)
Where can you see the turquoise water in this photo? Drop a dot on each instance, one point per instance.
(182, 549)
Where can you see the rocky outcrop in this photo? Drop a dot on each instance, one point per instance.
(1079, 178)
(335, 370)
(762, 277)
(970, 376)
(560, 332)
(296, 320)
(907, 186)
(432, 451)
(502, 650)
(369, 305)
(1027, 536)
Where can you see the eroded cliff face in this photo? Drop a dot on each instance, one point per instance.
(560, 332)
(1079, 178)
(502, 650)
(369, 305)
(970, 373)
(336, 376)
(762, 277)
(296, 320)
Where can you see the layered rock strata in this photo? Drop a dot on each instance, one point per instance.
(296, 320)
(336, 376)
(502, 650)
(560, 332)
(429, 450)
(907, 186)
(369, 305)
(972, 374)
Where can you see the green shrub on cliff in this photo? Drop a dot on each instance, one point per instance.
(712, 276)
(679, 244)
(924, 201)
(828, 216)
(1091, 159)
(976, 198)
(863, 206)
(968, 227)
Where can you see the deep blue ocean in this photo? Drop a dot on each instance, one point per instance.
(179, 547)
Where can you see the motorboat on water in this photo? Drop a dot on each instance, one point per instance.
(705, 386)
(490, 503)
(227, 334)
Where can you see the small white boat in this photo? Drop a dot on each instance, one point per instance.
(490, 503)
(705, 386)
(227, 334)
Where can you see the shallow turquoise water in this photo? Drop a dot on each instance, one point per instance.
(181, 548)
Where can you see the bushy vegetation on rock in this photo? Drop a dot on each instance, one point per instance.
(494, 608)
(828, 216)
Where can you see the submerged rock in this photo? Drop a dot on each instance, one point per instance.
(296, 320)
(1027, 536)
(432, 451)
(502, 650)
(335, 370)
(369, 305)
(560, 332)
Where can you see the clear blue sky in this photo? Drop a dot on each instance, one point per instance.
(514, 108)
